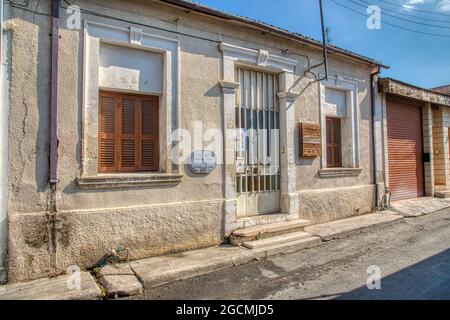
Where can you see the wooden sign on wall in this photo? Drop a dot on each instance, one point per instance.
(310, 139)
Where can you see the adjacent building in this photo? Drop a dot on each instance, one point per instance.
(416, 140)
(442, 89)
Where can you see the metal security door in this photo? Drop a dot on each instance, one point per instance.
(258, 143)
(404, 133)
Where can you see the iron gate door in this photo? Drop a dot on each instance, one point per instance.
(258, 143)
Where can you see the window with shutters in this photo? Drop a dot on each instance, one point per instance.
(128, 133)
(333, 133)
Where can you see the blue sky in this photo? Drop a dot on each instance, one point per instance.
(419, 59)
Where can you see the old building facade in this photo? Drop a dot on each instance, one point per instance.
(160, 112)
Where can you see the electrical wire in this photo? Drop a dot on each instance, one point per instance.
(406, 14)
(176, 32)
(414, 9)
(20, 7)
(403, 19)
(393, 24)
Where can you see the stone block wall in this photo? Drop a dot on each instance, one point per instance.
(440, 151)
(427, 128)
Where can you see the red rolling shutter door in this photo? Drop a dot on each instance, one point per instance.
(404, 130)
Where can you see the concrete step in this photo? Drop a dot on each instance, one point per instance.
(247, 222)
(284, 238)
(267, 230)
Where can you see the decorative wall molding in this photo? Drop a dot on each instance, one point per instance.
(229, 87)
(263, 57)
(258, 58)
(135, 35)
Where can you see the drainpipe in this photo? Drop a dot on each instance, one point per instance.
(374, 139)
(52, 210)
(4, 116)
(54, 95)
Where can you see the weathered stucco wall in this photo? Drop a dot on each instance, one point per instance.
(151, 220)
(4, 124)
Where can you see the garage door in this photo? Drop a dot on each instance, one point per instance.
(404, 132)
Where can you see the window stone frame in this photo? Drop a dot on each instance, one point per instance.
(350, 86)
(132, 37)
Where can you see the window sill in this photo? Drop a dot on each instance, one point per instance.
(129, 180)
(339, 172)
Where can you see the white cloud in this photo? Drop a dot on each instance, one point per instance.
(444, 5)
(439, 5)
(411, 4)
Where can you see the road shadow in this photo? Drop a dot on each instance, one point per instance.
(428, 279)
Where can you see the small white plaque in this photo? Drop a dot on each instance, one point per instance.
(203, 161)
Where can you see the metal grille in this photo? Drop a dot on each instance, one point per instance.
(257, 123)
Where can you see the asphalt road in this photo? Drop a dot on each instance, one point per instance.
(413, 258)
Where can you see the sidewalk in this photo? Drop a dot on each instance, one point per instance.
(130, 278)
(66, 287)
(419, 206)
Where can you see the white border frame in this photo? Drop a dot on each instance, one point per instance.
(131, 37)
(351, 87)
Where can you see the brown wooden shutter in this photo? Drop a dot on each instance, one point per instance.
(128, 133)
(128, 138)
(334, 153)
(107, 140)
(149, 159)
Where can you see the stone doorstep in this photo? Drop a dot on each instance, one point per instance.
(58, 288)
(247, 222)
(256, 244)
(351, 226)
(267, 230)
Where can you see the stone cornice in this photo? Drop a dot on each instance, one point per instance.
(229, 87)
(395, 87)
(260, 58)
(289, 96)
(129, 181)
(339, 172)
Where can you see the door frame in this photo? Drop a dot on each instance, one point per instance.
(251, 200)
(233, 56)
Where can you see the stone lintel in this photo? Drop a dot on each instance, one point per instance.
(395, 87)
